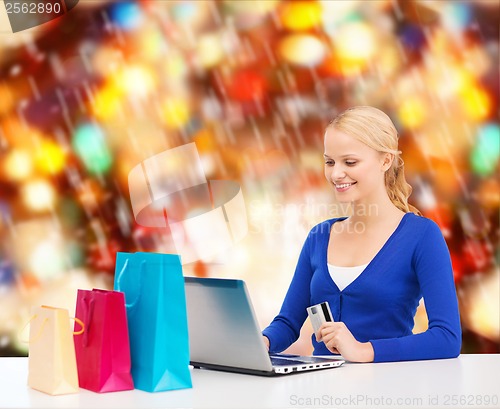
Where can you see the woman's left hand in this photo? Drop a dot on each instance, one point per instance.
(338, 339)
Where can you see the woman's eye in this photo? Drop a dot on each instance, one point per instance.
(349, 163)
(329, 163)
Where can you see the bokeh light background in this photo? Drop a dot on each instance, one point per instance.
(86, 97)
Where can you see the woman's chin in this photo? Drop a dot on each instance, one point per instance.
(344, 199)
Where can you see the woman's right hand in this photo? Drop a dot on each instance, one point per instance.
(266, 341)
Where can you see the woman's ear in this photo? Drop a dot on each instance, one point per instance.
(387, 160)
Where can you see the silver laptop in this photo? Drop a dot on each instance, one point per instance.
(224, 334)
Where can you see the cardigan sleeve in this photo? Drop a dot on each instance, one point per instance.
(443, 338)
(284, 330)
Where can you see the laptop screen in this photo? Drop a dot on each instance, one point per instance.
(223, 329)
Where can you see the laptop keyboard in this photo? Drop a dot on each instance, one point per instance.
(300, 360)
(281, 361)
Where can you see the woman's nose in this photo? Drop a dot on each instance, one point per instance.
(337, 173)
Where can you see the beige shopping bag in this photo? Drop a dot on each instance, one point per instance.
(52, 361)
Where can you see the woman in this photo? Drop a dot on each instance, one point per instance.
(375, 265)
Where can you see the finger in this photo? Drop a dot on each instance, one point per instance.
(334, 350)
(321, 333)
(331, 347)
(334, 325)
(326, 329)
(320, 336)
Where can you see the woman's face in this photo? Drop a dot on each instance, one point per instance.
(355, 170)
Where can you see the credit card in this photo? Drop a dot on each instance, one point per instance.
(319, 314)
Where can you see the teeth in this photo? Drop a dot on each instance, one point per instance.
(343, 185)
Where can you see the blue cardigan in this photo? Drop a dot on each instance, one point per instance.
(379, 306)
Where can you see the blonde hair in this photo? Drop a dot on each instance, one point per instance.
(375, 129)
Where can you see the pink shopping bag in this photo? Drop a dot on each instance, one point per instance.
(103, 351)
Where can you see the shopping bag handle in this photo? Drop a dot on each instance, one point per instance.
(118, 281)
(80, 322)
(35, 338)
(88, 312)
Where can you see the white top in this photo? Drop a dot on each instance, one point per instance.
(343, 276)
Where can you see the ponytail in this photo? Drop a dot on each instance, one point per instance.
(397, 188)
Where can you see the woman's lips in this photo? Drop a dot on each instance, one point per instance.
(343, 187)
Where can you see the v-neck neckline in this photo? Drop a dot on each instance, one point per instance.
(372, 261)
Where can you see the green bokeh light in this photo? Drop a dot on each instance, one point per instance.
(484, 156)
(90, 146)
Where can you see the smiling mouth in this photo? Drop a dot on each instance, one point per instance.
(344, 185)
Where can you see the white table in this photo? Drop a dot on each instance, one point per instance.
(468, 381)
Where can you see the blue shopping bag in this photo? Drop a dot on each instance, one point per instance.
(156, 312)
